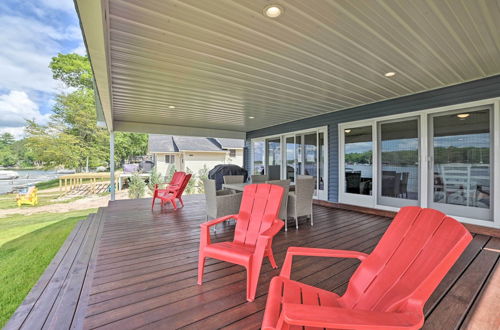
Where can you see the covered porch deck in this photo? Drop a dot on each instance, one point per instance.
(128, 267)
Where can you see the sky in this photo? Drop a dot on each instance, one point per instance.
(31, 33)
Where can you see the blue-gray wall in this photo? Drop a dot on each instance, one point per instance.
(466, 92)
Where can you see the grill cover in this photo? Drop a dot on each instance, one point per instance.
(218, 172)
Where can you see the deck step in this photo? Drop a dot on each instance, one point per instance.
(54, 301)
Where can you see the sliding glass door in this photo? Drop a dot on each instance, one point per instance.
(460, 167)
(290, 155)
(398, 155)
(273, 147)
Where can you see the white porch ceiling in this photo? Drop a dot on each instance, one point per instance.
(220, 62)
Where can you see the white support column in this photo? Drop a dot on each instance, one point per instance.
(112, 164)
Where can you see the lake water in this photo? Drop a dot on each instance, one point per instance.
(26, 177)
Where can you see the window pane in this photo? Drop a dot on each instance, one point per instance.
(310, 156)
(290, 158)
(322, 151)
(399, 159)
(462, 159)
(258, 157)
(298, 155)
(358, 155)
(274, 159)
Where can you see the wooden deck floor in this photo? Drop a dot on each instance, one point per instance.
(138, 270)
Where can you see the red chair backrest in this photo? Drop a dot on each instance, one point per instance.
(178, 192)
(177, 178)
(413, 256)
(259, 208)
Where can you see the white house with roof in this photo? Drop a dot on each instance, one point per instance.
(185, 152)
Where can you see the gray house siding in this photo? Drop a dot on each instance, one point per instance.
(466, 92)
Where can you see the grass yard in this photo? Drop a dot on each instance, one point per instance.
(27, 245)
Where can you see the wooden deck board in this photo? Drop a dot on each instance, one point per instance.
(137, 268)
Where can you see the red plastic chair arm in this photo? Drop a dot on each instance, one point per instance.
(344, 318)
(205, 228)
(219, 220)
(313, 252)
(274, 229)
(268, 235)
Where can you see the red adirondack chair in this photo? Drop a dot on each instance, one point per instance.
(390, 286)
(256, 224)
(172, 195)
(174, 183)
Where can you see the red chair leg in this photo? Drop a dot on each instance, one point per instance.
(201, 268)
(174, 204)
(153, 203)
(271, 258)
(182, 202)
(250, 297)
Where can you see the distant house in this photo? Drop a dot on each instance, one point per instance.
(193, 152)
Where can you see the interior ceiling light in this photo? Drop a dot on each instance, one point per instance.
(171, 106)
(390, 74)
(348, 131)
(463, 115)
(251, 117)
(273, 11)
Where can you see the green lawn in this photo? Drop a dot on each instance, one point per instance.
(8, 201)
(27, 245)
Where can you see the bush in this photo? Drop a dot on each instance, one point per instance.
(202, 175)
(136, 187)
(154, 179)
(191, 186)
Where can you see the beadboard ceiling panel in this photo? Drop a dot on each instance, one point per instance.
(221, 62)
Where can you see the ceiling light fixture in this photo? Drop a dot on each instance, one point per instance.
(390, 74)
(171, 106)
(463, 115)
(273, 11)
(347, 131)
(251, 117)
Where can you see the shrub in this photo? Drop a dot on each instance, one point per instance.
(136, 187)
(154, 179)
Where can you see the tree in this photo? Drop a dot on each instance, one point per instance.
(72, 138)
(72, 69)
(6, 139)
(128, 145)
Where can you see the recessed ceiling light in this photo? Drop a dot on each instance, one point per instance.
(251, 117)
(463, 115)
(390, 74)
(347, 131)
(273, 11)
(171, 106)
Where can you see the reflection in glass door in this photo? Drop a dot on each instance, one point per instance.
(290, 158)
(398, 163)
(311, 156)
(460, 145)
(273, 147)
(358, 160)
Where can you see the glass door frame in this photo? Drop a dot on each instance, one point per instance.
(394, 201)
(350, 198)
(318, 194)
(370, 201)
(458, 209)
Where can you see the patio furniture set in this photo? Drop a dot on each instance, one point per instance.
(389, 287)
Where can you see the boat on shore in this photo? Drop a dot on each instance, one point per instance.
(8, 175)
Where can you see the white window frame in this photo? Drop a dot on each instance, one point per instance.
(371, 201)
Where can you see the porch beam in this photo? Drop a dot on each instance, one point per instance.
(112, 179)
(139, 127)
